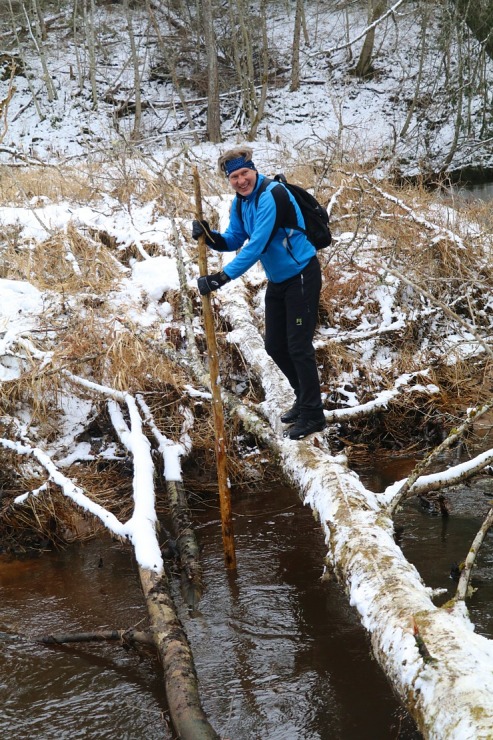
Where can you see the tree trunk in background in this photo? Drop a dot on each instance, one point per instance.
(213, 110)
(419, 77)
(89, 10)
(136, 68)
(376, 8)
(260, 102)
(295, 56)
(41, 20)
(478, 14)
(170, 58)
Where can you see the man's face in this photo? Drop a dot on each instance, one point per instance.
(243, 180)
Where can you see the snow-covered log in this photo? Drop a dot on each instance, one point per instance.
(168, 635)
(441, 669)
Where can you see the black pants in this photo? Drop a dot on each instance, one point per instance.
(291, 313)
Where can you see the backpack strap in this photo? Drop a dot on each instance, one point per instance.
(285, 212)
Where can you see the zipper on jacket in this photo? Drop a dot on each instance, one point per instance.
(289, 249)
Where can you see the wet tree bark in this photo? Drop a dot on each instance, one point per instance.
(191, 571)
(188, 717)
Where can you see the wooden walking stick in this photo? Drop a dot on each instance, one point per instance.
(217, 404)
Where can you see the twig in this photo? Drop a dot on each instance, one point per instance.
(463, 585)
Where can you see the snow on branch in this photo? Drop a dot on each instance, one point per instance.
(382, 399)
(414, 216)
(69, 489)
(455, 691)
(398, 491)
(141, 527)
(333, 49)
(171, 451)
(436, 481)
(463, 585)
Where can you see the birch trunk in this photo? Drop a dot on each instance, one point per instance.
(176, 657)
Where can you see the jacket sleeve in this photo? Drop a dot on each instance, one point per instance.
(265, 220)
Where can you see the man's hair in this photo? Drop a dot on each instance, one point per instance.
(243, 152)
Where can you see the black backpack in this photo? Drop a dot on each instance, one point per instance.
(315, 215)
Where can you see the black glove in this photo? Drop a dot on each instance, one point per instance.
(207, 283)
(199, 228)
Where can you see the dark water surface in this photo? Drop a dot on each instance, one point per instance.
(477, 191)
(279, 652)
(86, 691)
(435, 544)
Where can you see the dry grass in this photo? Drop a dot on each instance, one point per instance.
(33, 185)
(77, 270)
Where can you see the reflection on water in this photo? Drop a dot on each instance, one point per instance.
(435, 544)
(479, 191)
(88, 691)
(279, 653)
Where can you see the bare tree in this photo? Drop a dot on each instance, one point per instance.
(89, 25)
(295, 56)
(136, 66)
(213, 109)
(244, 54)
(376, 8)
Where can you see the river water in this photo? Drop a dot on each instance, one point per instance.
(279, 653)
(478, 191)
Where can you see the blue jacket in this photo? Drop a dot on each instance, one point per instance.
(281, 260)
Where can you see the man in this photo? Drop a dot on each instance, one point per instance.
(294, 282)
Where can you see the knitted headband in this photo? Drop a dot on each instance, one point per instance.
(238, 164)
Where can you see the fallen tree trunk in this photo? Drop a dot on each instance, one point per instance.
(171, 642)
(125, 637)
(168, 636)
(441, 669)
(191, 571)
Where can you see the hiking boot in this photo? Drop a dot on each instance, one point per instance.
(291, 415)
(303, 427)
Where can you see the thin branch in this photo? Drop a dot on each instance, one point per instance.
(463, 585)
(126, 637)
(359, 36)
(454, 435)
(448, 311)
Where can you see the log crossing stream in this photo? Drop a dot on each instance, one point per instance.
(278, 651)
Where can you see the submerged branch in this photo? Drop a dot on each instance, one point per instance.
(191, 570)
(126, 637)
